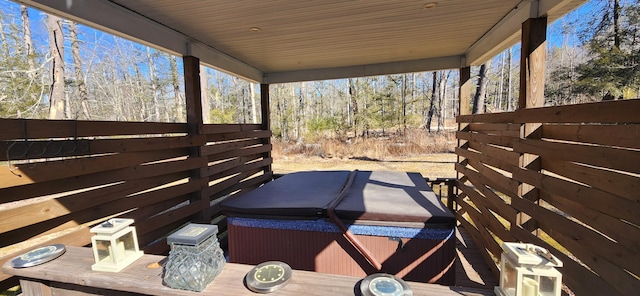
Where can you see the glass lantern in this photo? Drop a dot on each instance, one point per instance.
(528, 270)
(115, 245)
(195, 258)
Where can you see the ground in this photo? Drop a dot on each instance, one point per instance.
(432, 166)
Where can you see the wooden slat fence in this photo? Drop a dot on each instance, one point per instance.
(59, 178)
(584, 198)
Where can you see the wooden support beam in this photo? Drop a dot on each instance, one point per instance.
(464, 108)
(532, 63)
(195, 122)
(192, 88)
(266, 121)
(532, 76)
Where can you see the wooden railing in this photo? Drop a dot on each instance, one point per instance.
(572, 186)
(59, 178)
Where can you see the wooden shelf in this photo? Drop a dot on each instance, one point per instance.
(71, 274)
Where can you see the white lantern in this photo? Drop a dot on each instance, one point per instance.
(528, 270)
(115, 245)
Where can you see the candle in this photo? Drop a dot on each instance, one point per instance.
(529, 287)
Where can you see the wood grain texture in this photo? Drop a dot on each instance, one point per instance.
(139, 278)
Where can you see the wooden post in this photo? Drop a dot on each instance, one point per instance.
(194, 125)
(532, 76)
(192, 93)
(463, 109)
(266, 120)
(465, 91)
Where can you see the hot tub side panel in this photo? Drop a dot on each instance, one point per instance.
(421, 260)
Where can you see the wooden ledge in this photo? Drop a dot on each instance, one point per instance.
(71, 273)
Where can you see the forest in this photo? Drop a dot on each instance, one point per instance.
(57, 69)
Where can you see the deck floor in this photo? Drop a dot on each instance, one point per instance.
(471, 269)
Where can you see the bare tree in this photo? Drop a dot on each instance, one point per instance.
(28, 42)
(77, 68)
(481, 89)
(56, 46)
(204, 93)
(180, 113)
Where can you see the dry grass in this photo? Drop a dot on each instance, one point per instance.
(430, 154)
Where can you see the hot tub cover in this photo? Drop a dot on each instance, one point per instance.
(372, 198)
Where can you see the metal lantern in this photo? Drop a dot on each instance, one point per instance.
(195, 258)
(528, 270)
(115, 245)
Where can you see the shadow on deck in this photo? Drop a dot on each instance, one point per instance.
(471, 269)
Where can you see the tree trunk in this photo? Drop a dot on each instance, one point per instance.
(77, 68)
(28, 42)
(56, 46)
(404, 102)
(616, 24)
(442, 95)
(509, 83)
(204, 95)
(481, 90)
(154, 86)
(353, 105)
(432, 102)
(180, 114)
(254, 107)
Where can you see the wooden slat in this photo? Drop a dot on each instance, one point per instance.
(504, 117)
(592, 243)
(62, 169)
(239, 136)
(21, 150)
(49, 209)
(499, 181)
(14, 129)
(53, 208)
(621, 232)
(490, 156)
(234, 166)
(619, 135)
(612, 273)
(224, 147)
(498, 204)
(496, 129)
(150, 239)
(506, 157)
(232, 184)
(240, 152)
(228, 128)
(487, 139)
(178, 214)
(621, 111)
(601, 201)
(622, 185)
(487, 218)
(608, 157)
(475, 234)
(481, 225)
(95, 214)
(101, 178)
(580, 280)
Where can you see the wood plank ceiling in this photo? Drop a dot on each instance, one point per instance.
(293, 40)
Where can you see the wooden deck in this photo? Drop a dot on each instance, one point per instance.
(471, 269)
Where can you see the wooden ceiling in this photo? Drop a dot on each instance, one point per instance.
(295, 40)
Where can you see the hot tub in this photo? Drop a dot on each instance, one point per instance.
(393, 221)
